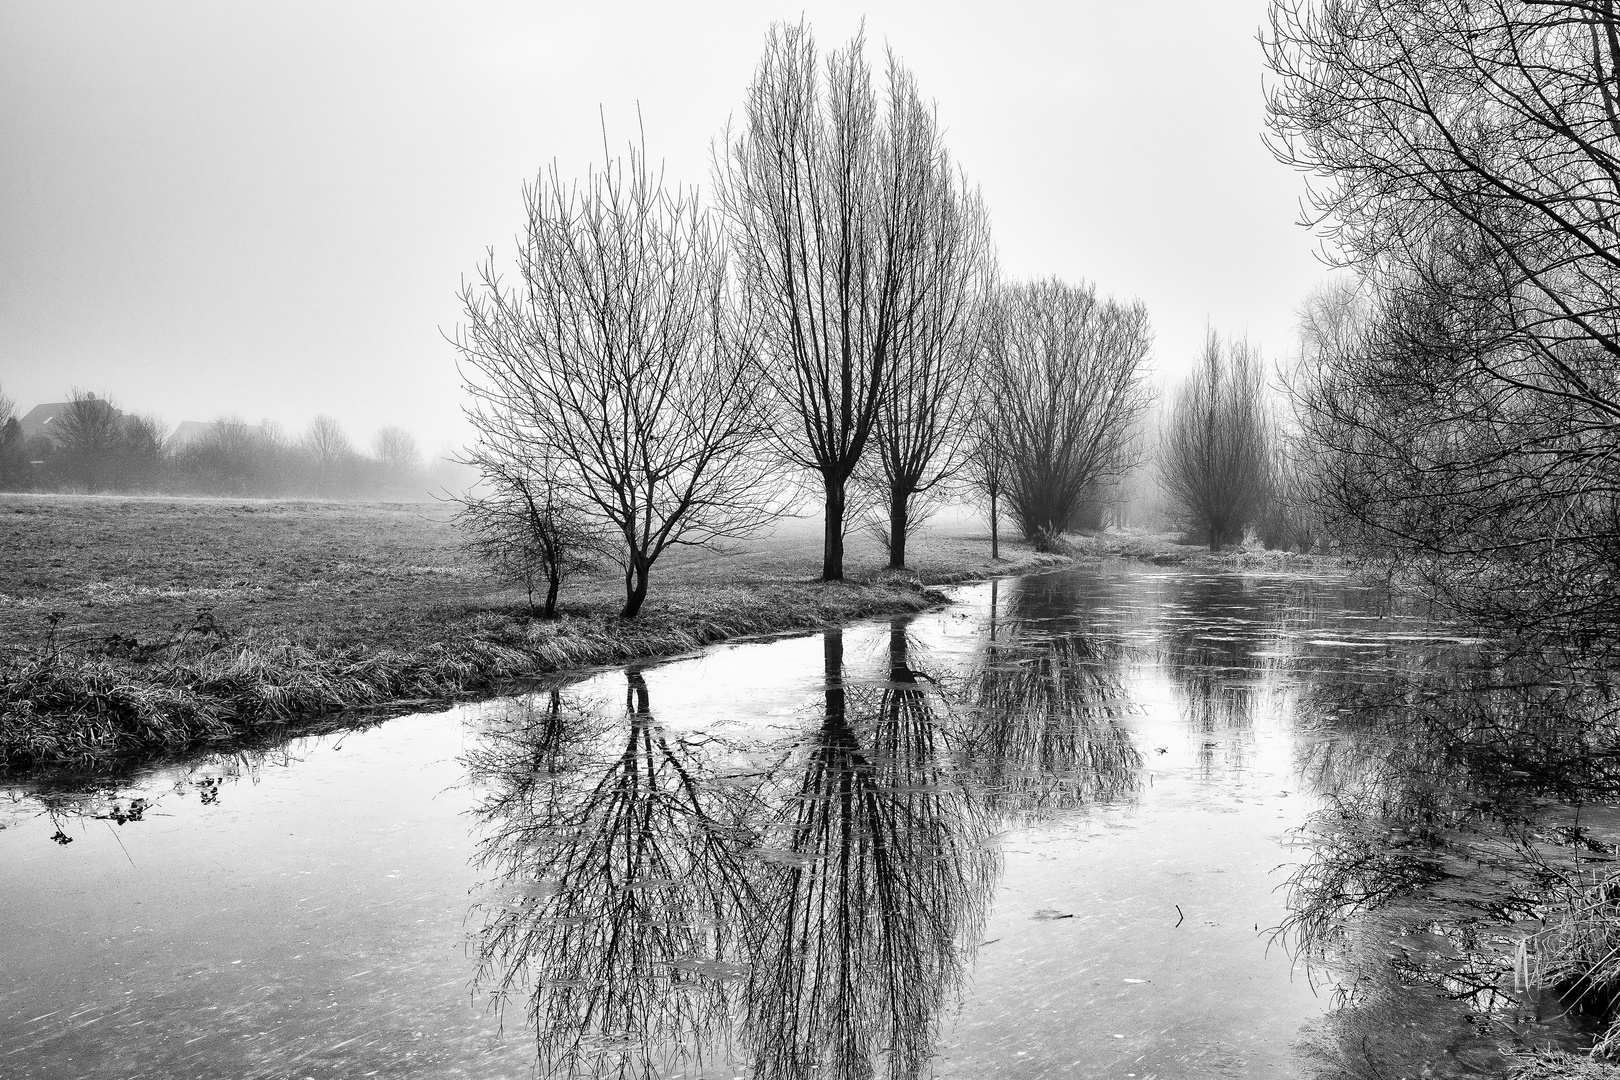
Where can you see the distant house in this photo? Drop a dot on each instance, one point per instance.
(189, 431)
(41, 424)
(38, 420)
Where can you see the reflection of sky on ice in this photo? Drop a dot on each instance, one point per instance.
(309, 910)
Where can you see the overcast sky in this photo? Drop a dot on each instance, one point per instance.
(265, 209)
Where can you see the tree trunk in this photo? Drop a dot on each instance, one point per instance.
(898, 499)
(635, 586)
(995, 535)
(553, 583)
(832, 544)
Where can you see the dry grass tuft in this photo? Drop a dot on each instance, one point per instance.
(1554, 1065)
(1579, 952)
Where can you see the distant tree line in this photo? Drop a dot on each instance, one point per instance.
(94, 447)
(659, 374)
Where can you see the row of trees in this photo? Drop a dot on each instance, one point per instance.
(95, 447)
(654, 369)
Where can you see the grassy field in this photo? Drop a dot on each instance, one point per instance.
(339, 574)
(133, 626)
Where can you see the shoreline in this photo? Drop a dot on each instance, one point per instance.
(131, 639)
(69, 708)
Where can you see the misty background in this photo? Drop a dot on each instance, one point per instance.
(215, 209)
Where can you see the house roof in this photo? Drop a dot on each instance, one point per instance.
(189, 431)
(38, 420)
(43, 419)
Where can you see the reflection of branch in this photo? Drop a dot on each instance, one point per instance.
(128, 795)
(881, 885)
(1438, 841)
(1048, 730)
(1210, 656)
(614, 895)
(635, 890)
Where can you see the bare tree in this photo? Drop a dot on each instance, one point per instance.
(1469, 161)
(1290, 517)
(1216, 457)
(1486, 126)
(398, 460)
(88, 434)
(140, 452)
(331, 450)
(825, 193)
(522, 523)
(14, 467)
(234, 458)
(396, 449)
(921, 418)
(617, 358)
(1330, 320)
(1065, 372)
(987, 455)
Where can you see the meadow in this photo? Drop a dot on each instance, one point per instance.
(133, 626)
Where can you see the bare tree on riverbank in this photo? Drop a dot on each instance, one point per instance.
(522, 524)
(987, 456)
(922, 418)
(1468, 153)
(617, 362)
(1064, 368)
(825, 192)
(1217, 452)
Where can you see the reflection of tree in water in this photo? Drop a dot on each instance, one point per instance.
(637, 891)
(617, 878)
(1212, 655)
(874, 889)
(1046, 730)
(1440, 851)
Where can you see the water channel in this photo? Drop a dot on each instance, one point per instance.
(1123, 822)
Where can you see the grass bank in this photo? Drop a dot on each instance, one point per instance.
(132, 628)
(1167, 549)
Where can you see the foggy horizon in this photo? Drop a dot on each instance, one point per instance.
(267, 213)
